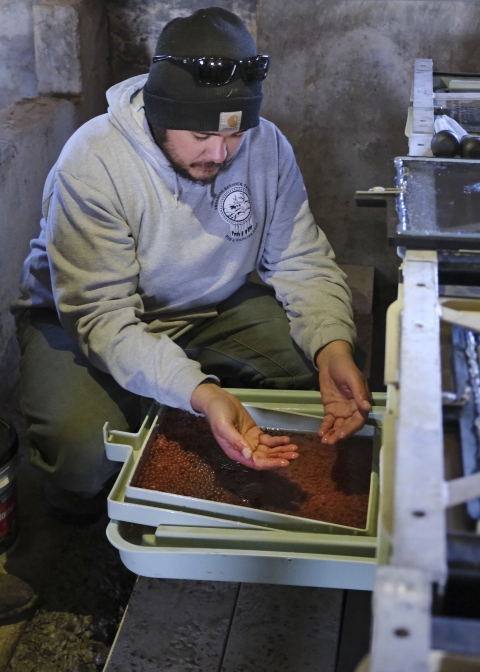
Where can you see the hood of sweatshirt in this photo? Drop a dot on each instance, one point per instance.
(126, 113)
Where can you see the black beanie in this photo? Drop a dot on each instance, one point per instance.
(173, 100)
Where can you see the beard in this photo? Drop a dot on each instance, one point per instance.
(160, 137)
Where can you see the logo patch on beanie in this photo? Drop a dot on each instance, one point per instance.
(230, 121)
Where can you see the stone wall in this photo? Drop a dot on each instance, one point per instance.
(17, 56)
(71, 53)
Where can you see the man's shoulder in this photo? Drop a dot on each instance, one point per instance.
(267, 129)
(95, 138)
(95, 129)
(268, 144)
(269, 133)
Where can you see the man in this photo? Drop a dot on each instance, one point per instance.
(154, 216)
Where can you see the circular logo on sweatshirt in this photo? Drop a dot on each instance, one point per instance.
(234, 207)
(234, 204)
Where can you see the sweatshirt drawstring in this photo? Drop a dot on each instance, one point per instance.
(213, 195)
(176, 194)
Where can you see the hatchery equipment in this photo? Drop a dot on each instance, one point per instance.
(173, 536)
(428, 538)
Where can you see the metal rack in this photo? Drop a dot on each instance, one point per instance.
(418, 553)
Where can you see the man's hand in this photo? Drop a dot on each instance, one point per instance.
(237, 433)
(344, 390)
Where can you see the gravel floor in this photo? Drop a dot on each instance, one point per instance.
(82, 585)
(80, 606)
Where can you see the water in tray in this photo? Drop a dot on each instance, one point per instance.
(327, 483)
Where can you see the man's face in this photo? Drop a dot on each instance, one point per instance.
(196, 155)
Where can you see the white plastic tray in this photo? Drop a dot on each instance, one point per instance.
(189, 538)
(151, 507)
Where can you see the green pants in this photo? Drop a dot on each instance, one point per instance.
(66, 401)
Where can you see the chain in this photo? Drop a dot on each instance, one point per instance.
(474, 371)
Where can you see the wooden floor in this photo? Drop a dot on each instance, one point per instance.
(207, 626)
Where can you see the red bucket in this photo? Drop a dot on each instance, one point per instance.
(9, 463)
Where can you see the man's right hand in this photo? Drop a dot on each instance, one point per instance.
(236, 432)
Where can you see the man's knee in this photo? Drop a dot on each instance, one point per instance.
(72, 454)
(68, 445)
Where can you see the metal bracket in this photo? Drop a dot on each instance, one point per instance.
(422, 114)
(453, 400)
(419, 516)
(467, 320)
(376, 197)
(460, 490)
(401, 629)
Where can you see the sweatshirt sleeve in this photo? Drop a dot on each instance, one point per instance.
(299, 263)
(94, 272)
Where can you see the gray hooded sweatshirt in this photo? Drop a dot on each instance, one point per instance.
(131, 255)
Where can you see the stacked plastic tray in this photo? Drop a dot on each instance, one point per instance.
(172, 536)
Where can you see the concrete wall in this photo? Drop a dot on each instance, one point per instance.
(71, 46)
(338, 87)
(32, 134)
(136, 24)
(17, 56)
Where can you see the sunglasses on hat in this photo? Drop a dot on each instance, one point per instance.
(218, 71)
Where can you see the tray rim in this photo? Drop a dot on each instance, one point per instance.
(326, 570)
(144, 506)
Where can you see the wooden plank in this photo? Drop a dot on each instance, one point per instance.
(285, 629)
(174, 625)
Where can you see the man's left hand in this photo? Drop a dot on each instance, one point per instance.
(344, 390)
